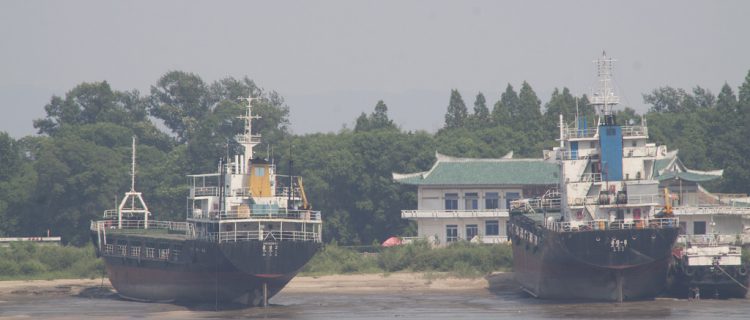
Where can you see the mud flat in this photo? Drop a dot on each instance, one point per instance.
(350, 283)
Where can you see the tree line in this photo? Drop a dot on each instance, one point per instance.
(78, 165)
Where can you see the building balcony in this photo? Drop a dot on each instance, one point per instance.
(453, 214)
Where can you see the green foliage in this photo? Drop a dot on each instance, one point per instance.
(334, 259)
(25, 260)
(461, 259)
(457, 113)
(378, 120)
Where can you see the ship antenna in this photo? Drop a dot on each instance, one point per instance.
(604, 97)
(247, 139)
(132, 169)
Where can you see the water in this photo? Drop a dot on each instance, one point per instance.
(480, 304)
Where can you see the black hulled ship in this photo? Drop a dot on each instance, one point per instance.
(248, 232)
(602, 234)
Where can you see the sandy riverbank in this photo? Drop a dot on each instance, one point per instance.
(357, 283)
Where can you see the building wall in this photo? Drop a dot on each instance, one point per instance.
(428, 228)
(724, 224)
(433, 198)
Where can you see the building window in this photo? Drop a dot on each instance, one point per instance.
(471, 231)
(472, 201)
(683, 227)
(491, 228)
(451, 233)
(491, 200)
(260, 171)
(451, 201)
(699, 227)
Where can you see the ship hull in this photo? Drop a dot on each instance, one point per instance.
(710, 281)
(591, 265)
(195, 271)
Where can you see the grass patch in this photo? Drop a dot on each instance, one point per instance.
(463, 260)
(29, 261)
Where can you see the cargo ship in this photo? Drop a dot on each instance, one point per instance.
(248, 231)
(603, 233)
(706, 268)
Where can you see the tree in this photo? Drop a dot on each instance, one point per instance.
(457, 112)
(481, 116)
(743, 94)
(90, 103)
(377, 120)
(506, 110)
(180, 99)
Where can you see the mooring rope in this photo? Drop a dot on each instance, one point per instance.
(730, 276)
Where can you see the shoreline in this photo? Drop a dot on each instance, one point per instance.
(345, 283)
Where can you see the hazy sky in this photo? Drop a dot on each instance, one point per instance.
(332, 60)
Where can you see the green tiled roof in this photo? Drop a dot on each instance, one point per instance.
(688, 176)
(661, 164)
(486, 172)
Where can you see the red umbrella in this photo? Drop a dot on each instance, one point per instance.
(392, 241)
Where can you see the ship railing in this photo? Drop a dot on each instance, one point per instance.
(604, 224)
(239, 235)
(711, 210)
(632, 152)
(288, 214)
(591, 177)
(535, 204)
(573, 132)
(204, 192)
(251, 139)
(634, 131)
(112, 213)
(576, 155)
(437, 214)
(713, 239)
(132, 225)
(611, 199)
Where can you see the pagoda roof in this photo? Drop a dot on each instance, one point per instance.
(449, 170)
(671, 167)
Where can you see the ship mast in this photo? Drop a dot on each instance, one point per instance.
(604, 97)
(137, 205)
(247, 139)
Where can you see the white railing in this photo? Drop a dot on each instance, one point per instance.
(627, 131)
(242, 139)
(572, 132)
(648, 151)
(131, 225)
(535, 204)
(634, 131)
(713, 239)
(259, 214)
(612, 200)
(711, 210)
(204, 192)
(601, 224)
(239, 235)
(442, 214)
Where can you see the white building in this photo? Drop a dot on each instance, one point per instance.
(468, 199)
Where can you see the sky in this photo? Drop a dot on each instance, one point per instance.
(332, 60)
